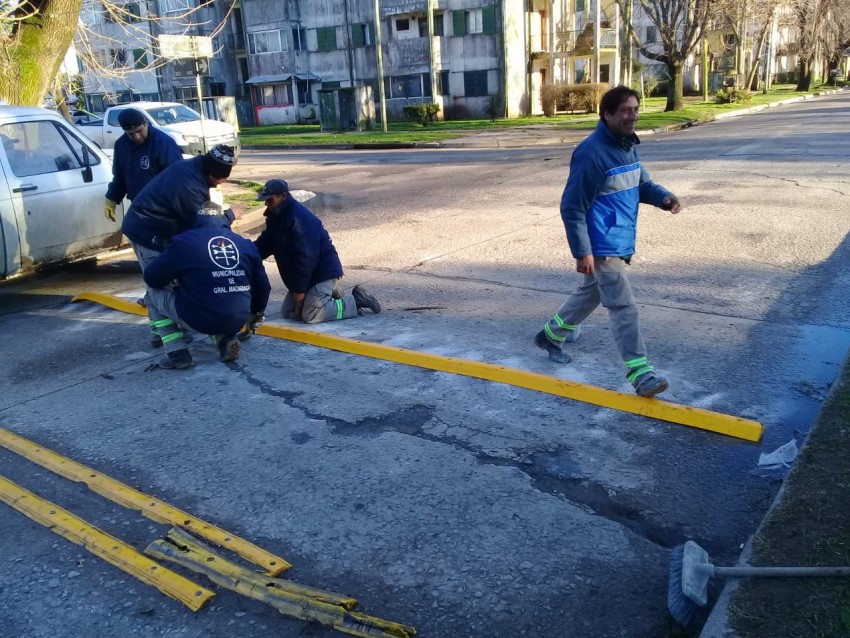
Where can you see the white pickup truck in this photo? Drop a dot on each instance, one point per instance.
(177, 120)
(52, 185)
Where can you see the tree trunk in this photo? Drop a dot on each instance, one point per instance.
(30, 58)
(676, 92)
(804, 81)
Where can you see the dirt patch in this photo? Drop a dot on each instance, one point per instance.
(810, 527)
(241, 195)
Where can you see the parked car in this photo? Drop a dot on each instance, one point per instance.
(52, 184)
(177, 120)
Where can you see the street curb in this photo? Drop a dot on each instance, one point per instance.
(717, 624)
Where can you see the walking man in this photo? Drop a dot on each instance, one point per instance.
(140, 154)
(222, 285)
(307, 261)
(599, 208)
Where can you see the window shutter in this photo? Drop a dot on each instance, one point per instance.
(372, 39)
(357, 35)
(488, 19)
(140, 58)
(326, 38)
(459, 19)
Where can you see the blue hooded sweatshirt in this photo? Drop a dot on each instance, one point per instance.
(302, 248)
(599, 205)
(133, 166)
(168, 204)
(220, 276)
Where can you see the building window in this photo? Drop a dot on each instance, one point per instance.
(216, 46)
(134, 14)
(439, 29)
(363, 34)
(406, 86)
(651, 34)
(218, 89)
(402, 24)
(177, 6)
(481, 20)
(580, 5)
(326, 39)
(140, 58)
(119, 57)
(261, 42)
(443, 83)
(305, 95)
(273, 95)
(185, 93)
(475, 84)
(299, 39)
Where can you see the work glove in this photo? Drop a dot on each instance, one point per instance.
(254, 322)
(109, 209)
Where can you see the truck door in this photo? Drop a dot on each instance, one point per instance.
(112, 128)
(10, 249)
(58, 203)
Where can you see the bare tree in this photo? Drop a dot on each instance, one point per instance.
(35, 35)
(822, 35)
(680, 25)
(750, 21)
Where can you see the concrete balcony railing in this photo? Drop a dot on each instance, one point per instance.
(569, 41)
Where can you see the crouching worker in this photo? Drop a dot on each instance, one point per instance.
(221, 286)
(307, 261)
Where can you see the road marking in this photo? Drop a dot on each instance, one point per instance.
(291, 599)
(133, 499)
(738, 427)
(114, 551)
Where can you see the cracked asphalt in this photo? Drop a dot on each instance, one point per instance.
(459, 506)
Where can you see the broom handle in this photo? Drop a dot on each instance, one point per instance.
(779, 572)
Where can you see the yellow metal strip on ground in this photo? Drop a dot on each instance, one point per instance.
(293, 600)
(102, 545)
(746, 429)
(133, 499)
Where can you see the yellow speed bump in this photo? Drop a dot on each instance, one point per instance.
(151, 507)
(102, 545)
(746, 429)
(291, 599)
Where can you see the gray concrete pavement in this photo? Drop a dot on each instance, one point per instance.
(461, 507)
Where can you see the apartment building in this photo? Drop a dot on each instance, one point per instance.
(117, 50)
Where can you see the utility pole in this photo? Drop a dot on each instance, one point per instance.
(705, 68)
(597, 56)
(429, 7)
(380, 66)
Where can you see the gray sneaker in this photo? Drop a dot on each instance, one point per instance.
(555, 353)
(364, 300)
(649, 384)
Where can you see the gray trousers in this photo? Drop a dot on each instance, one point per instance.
(160, 303)
(609, 286)
(323, 302)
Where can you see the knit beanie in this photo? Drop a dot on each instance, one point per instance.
(219, 161)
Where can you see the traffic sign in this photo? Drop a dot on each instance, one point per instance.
(176, 47)
(188, 68)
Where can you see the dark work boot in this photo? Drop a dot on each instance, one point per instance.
(555, 353)
(178, 360)
(364, 300)
(229, 348)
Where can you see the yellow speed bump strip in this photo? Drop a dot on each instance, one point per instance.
(305, 603)
(151, 507)
(654, 408)
(102, 545)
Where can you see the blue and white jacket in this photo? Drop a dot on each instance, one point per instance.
(599, 206)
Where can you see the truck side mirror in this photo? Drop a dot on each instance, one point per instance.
(88, 176)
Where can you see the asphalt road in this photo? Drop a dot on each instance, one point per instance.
(458, 506)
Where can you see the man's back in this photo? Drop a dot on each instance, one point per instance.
(221, 278)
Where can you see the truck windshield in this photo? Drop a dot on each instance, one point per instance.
(164, 115)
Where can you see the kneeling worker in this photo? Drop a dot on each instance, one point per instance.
(307, 261)
(221, 286)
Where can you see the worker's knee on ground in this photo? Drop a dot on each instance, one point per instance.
(311, 314)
